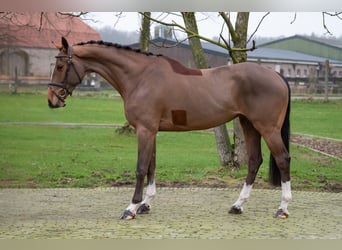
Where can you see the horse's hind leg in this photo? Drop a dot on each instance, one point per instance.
(282, 158)
(253, 146)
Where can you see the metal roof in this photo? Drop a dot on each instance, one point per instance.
(334, 43)
(286, 55)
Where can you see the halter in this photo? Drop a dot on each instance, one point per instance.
(64, 85)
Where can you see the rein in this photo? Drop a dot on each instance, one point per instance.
(63, 85)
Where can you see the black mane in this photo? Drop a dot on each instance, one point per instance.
(118, 46)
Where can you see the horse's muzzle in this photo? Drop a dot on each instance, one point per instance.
(54, 99)
(57, 105)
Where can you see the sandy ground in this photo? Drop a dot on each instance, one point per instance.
(191, 213)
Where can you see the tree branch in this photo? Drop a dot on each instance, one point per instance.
(294, 18)
(256, 29)
(73, 14)
(336, 14)
(191, 33)
(229, 24)
(324, 25)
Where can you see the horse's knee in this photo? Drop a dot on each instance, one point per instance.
(284, 167)
(140, 173)
(253, 168)
(284, 162)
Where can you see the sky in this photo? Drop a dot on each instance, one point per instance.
(274, 25)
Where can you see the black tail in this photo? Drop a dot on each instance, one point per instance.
(274, 173)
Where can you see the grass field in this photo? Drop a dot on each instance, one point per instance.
(57, 156)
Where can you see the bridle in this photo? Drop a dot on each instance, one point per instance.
(65, 88)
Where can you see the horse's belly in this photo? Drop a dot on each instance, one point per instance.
(180, 120)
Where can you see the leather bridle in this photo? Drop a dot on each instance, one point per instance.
(65, 88)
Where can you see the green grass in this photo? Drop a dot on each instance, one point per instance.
(41, 156)
(317, 118)
(79, 109)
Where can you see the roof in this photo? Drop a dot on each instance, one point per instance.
(39, 29)
(263, 53)
(334, 43)
(207, 47)
(286, 55)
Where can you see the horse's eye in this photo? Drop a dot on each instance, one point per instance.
(59, 67)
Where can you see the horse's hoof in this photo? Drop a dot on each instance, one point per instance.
(143, 209)
(235, 210)
(127, 215)
(281, 214)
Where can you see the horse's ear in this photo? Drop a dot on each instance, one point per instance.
(65, 44)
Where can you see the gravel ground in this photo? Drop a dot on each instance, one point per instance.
(195, 213)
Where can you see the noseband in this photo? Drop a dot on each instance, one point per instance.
(63, 85)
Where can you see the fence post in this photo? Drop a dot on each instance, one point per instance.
(326, 79)
(16, 81)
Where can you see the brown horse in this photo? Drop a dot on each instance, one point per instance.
(160, 94)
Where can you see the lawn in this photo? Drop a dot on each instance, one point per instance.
(317, 118)
(57, 156)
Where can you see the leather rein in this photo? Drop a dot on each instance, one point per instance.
(64, 88)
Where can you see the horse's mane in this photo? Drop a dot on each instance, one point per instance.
(176, 66)
(118, 46)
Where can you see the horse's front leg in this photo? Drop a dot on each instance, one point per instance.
(151, 188)
(146, 152)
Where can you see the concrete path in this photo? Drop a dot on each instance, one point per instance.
(195, 213)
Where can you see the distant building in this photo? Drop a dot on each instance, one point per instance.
(26, 47)
(297, 56)
(325, 48)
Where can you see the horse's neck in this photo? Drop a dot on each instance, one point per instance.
(118, 66)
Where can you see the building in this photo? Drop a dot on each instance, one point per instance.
(321, 47)
(27, 51)
(293, 64)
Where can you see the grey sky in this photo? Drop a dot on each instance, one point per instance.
(274, 25)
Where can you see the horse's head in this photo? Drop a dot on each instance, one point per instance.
(68, 73)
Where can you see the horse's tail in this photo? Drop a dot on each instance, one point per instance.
(274, 173)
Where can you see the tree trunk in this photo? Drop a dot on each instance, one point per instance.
(145, 32)
(240, 41)
(222, 139)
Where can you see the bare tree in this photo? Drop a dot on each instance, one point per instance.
(221, 135)
(239, 38)
(145, 32)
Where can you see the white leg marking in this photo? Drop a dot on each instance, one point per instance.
(244, 195)
(133, 207)
(150, 193)
(286, 196)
